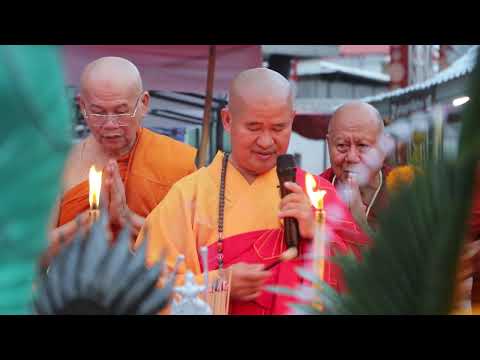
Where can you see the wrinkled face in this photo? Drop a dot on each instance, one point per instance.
(350, 142)
(116, 133)
(258, 135)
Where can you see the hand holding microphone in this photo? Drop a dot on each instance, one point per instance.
(295, 206)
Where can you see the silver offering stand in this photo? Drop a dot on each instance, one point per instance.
(190, 303)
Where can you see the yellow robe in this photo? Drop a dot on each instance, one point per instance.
(187, 219)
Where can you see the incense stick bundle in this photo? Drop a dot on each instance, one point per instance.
(219, 295)
(288, 254)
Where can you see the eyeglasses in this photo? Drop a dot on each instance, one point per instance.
(100, 120)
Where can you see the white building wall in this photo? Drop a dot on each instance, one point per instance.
(371, 62)
(312, 153)
(340, 89)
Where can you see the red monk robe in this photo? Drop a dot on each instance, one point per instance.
(187, 219)
(473, 235)
(153, 165)
(380, 202)
(475, 217)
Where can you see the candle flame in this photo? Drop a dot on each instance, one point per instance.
(95, 184)
(316, 197)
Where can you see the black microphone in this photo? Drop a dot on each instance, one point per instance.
(286, 171)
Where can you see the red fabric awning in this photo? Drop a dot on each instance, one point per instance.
(346, 50)
(169, 67)
(184, 68)
(311, 126)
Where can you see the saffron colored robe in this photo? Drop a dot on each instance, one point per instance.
(188, 216)
(153, 165)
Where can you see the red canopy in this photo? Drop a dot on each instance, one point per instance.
(184, 68)
(311, 126)
(348, 50)
(169, 67)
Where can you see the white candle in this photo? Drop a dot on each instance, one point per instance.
(319, 240)
(95, 185)
(319, 243)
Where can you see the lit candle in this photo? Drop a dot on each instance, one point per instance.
(95, 184)
(319, 240)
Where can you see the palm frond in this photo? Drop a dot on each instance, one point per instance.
(411, 266)
(91, 277)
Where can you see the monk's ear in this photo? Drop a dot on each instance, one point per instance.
(226, 119)
(294, 113)
(80, 103)
(145, 100)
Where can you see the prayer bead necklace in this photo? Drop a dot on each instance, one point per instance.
(221, 210)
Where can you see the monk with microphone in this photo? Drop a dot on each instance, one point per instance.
(234, 208)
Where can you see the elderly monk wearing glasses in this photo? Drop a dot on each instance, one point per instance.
(139, 166)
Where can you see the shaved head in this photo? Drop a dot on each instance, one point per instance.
(356, 109)
(353, 134)
(112, 85)
(259, 118)
(111, 73)
(259, 88)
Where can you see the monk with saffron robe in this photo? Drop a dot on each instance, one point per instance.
(139, 166)
(259, 119)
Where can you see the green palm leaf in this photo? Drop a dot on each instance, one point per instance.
(411, 267)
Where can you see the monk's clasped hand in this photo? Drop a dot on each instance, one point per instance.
(115, 194)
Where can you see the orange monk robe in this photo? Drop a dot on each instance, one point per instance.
(153, 165)
(187, 219)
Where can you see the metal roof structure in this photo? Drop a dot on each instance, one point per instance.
(301, 50)
(321, 67)
(460, 68)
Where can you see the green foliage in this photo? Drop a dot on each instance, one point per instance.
(411, 266)
(34, 142)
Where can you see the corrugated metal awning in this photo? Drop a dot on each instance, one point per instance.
(320, 67)
(459, 68)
